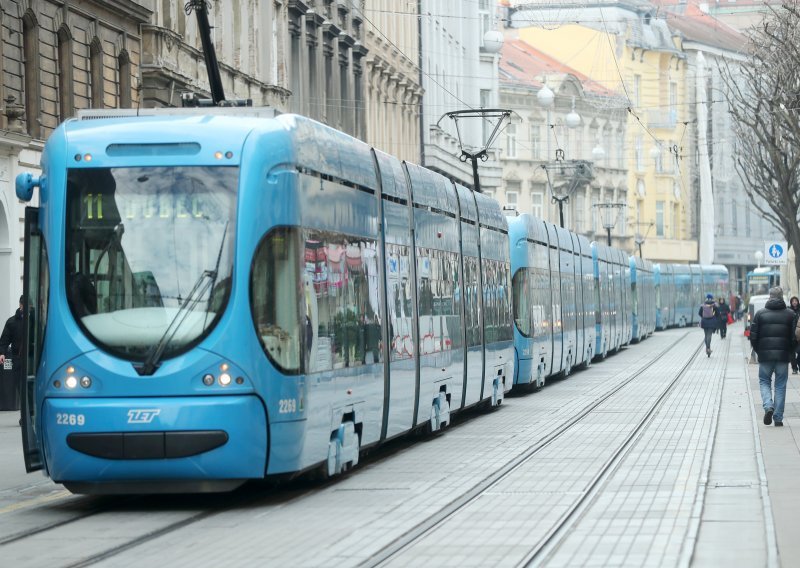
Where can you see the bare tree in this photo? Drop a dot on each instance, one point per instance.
(764, 96)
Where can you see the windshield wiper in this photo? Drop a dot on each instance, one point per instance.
(198, 290)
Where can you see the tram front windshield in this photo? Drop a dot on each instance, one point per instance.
(149, 255)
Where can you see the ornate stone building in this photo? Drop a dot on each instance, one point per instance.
(303, 56)
(585, 121)
(394, 93)
(56, 57)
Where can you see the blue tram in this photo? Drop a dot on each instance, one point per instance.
(233, 298)
(236, 297)
(643, 309)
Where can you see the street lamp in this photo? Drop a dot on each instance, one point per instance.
(639, 239)
(610, 213)
(759, 257)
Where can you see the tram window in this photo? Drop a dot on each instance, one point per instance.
(398, 290)
(522, 314)
(341, 306)
(157, 240)
(275, 305)
(439, 306)
(472, 306)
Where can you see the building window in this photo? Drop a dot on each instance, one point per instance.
(638, 154)
(659, 218)
(747, 222)
(537, 204)
(734, 218)
(125, 89)
(637, 83)
(65, 87)
(536, 142)
(676, 212)
(621, 149)
(30, 49)
(484, 19)
(96, 72)
(511, 141)
(673, 103)
(486, 127)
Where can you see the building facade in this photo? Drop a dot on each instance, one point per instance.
(56, 57)
(632, 51)
(534, 168)
(459, 72)
(393, 81)
(302, 56)
(710, 46)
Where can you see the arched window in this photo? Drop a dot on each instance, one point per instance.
(124, 69)
(30, 51)
(66, 103)
(96, 71)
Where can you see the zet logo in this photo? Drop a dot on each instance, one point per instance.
(143, 415)
(776, 251)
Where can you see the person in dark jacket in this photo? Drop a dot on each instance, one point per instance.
(708, 319)
(11, 339)
(724, 311)
(772, 338)
(794, 304)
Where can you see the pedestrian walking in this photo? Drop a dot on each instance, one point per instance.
(11, 338)
(794, 305)
(772, 336)
(11, 346)
(739, 307)
(724, 311)
(708, 320)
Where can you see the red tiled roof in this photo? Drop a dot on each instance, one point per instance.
(702, 27)
(521, 63)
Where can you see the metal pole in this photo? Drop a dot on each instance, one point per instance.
(475, 173)
(561, 212)
(639, 244)
(609, 235)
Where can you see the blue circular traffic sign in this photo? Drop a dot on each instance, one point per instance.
(776, 250)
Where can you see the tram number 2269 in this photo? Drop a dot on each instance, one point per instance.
(68, 419)
(287, 405)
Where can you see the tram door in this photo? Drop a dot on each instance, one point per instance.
(34, 309)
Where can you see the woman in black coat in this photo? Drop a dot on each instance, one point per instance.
(794, 304)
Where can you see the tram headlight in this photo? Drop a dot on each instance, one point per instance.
(86, 382)
(208, 380)
(224, 379)
(71, 382)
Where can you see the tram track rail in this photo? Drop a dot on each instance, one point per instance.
(246, 498)
(426, 527)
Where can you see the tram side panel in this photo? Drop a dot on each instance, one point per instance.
(400, 305)
(496, 287)
(587, 287)
(522, 297)
(472, 306)
(441, 352)
(568, 299)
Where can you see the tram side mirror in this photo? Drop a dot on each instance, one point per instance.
(25, 184)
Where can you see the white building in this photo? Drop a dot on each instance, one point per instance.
(459, 72)
(738, 228)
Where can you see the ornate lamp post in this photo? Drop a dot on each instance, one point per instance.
(639, 239)
(609, 214)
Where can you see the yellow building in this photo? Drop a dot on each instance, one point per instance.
(636, 55)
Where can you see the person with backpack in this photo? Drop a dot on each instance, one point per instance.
(708, 313)
(772, 335)
(724, 312)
